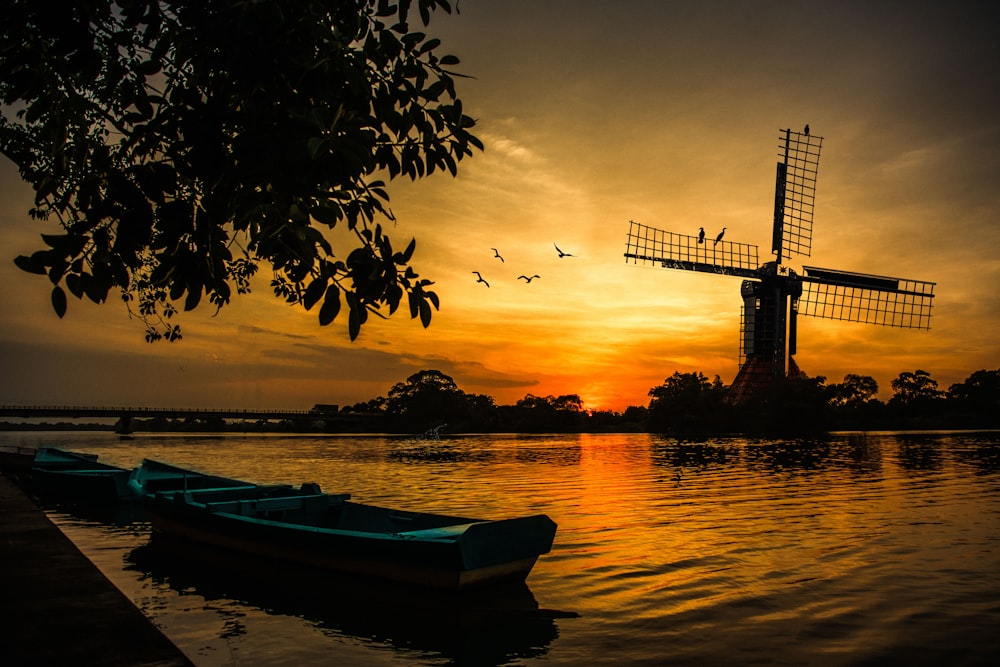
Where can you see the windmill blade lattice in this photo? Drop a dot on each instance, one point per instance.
(795, 193)
(865, 298)
(647, 245)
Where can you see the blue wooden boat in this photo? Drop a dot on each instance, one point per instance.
(51, 458)
(307, 527)
(65, 475)
(14, 458)
(59, 474)
(151, 476)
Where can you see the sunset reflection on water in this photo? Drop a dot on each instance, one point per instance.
(844, 550)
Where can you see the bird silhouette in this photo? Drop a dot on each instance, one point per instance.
(481, 279)
(529, 278)
(561, 253)
(496, 253)
(719, 237)
(807, 129)
(701, 235)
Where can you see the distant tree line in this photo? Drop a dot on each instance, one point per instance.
(686, 404)
(430, 399)
(691, 404)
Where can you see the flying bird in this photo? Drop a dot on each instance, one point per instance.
(496, 253)
(719, 237)
(529, 278)
(561, 253)
(701, 235)
(481, 280)
(807, 129)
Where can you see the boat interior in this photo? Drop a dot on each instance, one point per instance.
(308, 506)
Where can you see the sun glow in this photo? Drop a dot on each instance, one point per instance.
(676, 132)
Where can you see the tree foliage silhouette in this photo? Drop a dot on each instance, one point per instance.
(855, 391)
(981, 389)
(977, 398)
(915, 392)
(687, 402)
(561, 414)
(428, 398)
(180, 145)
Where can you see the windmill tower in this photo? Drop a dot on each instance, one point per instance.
(773, 294)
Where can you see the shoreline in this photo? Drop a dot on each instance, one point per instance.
(58, 607)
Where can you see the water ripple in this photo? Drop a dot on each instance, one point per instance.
(851, 550)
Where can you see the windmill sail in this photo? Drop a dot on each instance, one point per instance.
(646, 245)
(870, 299)
(795, 193)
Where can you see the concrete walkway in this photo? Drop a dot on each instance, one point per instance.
(57, 608)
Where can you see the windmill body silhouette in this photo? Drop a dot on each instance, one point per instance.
(773, 294)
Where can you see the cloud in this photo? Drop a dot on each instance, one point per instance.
(254, 330)
(508, 148)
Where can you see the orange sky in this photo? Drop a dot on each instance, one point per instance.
(594, 114)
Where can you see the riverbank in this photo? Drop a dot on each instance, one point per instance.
(58, 608)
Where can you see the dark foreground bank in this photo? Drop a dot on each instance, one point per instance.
(57, 608)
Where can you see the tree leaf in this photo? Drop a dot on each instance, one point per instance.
(354, 319)
(194, 290)
(331, 306)
(317, 146)
(148, 67)
(59, 301)
(74, 283)
(429, 45)
(325, 215)
(30, 264)
(313, 293)
(96, 286)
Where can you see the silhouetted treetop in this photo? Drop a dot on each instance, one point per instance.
(982, 388)
(915, 389)
(565, 402)
(687, 402)
(854, 391)
(182, 144)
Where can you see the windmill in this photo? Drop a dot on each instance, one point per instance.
(773, 294)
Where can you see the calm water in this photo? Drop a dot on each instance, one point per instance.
(853, 551)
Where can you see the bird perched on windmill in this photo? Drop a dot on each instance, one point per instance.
(701, 235)
(480, 278)
(719, 237)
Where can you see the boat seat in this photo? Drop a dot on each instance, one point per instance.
(204, 496)
(265, 507)
(442, 532)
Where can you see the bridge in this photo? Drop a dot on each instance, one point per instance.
(125, 415)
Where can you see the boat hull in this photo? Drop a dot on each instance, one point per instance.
(456, 554)
(94, 486)
(59, 475)
(15, 459)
